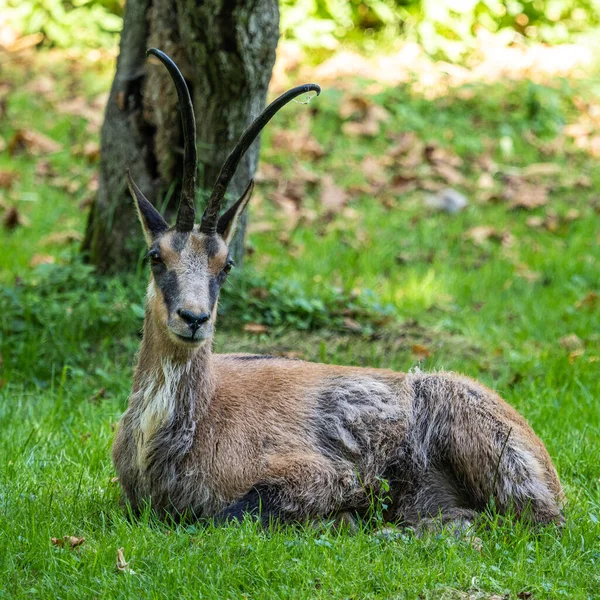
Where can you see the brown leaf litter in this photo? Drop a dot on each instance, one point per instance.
(68, 541)
(333, 197)
(13, 218)
(481, 234)
(32, 142)
(365, 114)
(121, 564)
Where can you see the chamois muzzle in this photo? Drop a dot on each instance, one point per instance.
(194, 320)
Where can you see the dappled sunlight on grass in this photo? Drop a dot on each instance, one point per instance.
(493, 58)
(415, 293)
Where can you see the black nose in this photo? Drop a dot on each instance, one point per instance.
(194, 320)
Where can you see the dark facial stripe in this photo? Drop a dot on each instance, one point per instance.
(212, 246)
(168, 285)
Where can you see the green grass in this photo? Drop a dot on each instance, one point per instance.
(68, 344)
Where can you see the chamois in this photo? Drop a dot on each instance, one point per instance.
(219, 436)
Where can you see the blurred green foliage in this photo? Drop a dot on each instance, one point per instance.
(444, 27)
(68, 23)
(65, 306)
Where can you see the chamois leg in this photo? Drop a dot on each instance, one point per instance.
(295, 488)
(492, 452)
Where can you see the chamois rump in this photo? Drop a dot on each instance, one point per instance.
(223, 435)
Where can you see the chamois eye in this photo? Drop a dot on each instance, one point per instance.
(228, 265)
(154, 256)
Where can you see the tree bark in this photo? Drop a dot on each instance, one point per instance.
(226, 51)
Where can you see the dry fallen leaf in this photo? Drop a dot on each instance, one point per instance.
(535, 221)
(41, 259)
(91, 110)
(571, 342)
(352, 105)
(526, 273)
(420, 351)
(306, 175)
(352, 325)
(42, 85)
(8, 178)
(268, 173)
(402, 184)
(96, 396)
(299, 141)
(575, 354)
(14, 42)
(68, 541)
(44, 169)
(476, 543)
(93, 183)
(366, 116)
(91, 150)
(259, 292)
(482, 233)
(528, 197)
(449, 173)
(590, 300)
(333, 197)
(551, 221)
(61, 238)
(485, 181)
(402, 143)
(255, 328)
(413, 158)
(260, 227)
(121, 564)
(13, 218)
(69, 184)
(541, 169)
(374, 170)
(289, 209)
(435, 154)
(33, 142)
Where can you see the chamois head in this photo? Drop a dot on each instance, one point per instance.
(190, 262)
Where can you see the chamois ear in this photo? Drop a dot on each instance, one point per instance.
(152, 221)
(229, 220)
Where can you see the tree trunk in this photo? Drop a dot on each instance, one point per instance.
(226, 51)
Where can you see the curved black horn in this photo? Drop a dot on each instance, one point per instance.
(186, 215)
(211, 214)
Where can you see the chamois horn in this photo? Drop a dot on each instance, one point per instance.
(186, 215)
(213, 208)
